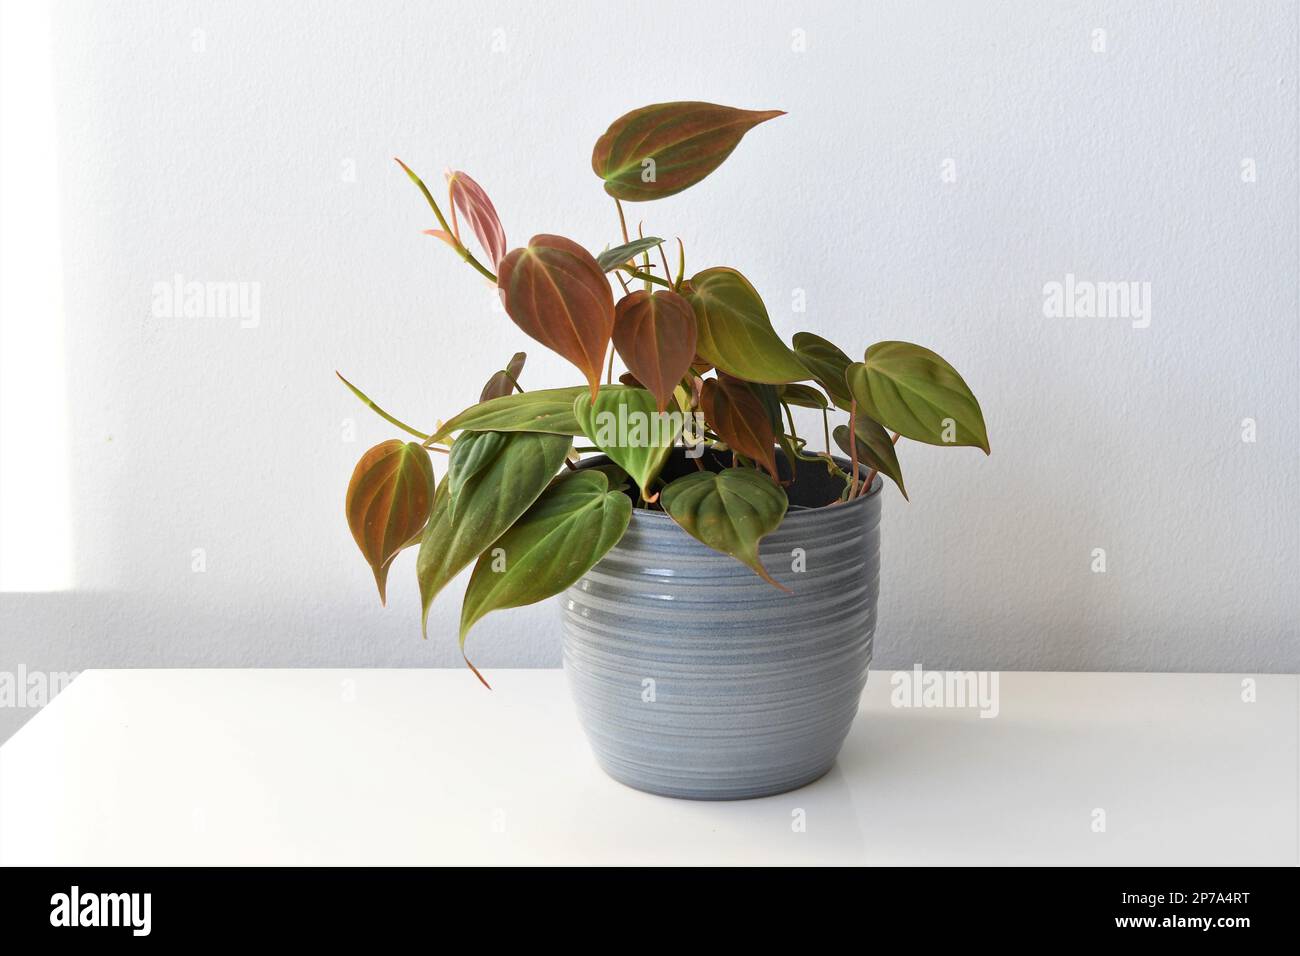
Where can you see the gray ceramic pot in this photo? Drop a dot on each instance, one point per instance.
(694, 678)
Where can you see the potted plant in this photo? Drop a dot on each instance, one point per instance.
(717, 576)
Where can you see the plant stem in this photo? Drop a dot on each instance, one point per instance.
(681, 264)
(621, 220)
(379, 411)
(459, 246)
(664, 257)
(853, 446)
(638, 274)
(789, 417)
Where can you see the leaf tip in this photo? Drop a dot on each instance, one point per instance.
(482, 679)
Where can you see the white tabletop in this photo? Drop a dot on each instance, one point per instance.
(425, 766)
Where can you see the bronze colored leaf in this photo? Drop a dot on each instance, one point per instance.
(740, 419)
(473, 203)
(503, 383)
(655, 335)
(662, 149)
(388, 502)
(554, 290)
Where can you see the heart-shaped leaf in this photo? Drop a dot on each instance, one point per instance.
(662, 149)
(477, 209)
(556, 292)
(738, 416)
(914, 392)
(503, 383)
(654, 332)
(625, 423)
(388, 502)
(545, 410)
(805, 396)
(501, 490)
(874, 448)
(734, 332)
(827, 364)
(730, 511)
(611, 259)
(558, 540)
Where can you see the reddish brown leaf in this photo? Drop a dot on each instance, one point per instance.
(503, 383)
(655, 335)
(736, 414)
(474, 205)
(662, 149)
(554, 290)
(388, 502)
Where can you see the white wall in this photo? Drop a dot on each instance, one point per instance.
(228, 163)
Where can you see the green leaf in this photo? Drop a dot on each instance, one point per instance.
(734, 332)
(501, 491)
(875, 448)
(662, 149)
(771, 401)
(611, 259)
(558, 540)
(805, 396)
(730, 511)
(914, 392)
(826, 363)
(554, 290)
(546, 410)
(626, 425)
(503, 382)
(472, 453)
(388, 502)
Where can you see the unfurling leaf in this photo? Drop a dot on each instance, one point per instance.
(545, 410)
(827, 364)
(558, 540)
(555, 291)
(874, 448)
(626, 425)
(805, 396)
(738, 416)
(654, 332)
(914, 392)
(611, 259)
(473, 203)
(730, 511)
(502, 489)
(734, 332)
(503, 383)
(662, 149)
(388, 502)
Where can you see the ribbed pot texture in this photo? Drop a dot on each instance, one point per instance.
(695, 678)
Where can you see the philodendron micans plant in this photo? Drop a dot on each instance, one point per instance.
(705, 370)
